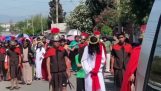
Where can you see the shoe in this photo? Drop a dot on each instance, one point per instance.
(28, 83)
(12, 88)
(16, 87)
(34, 78)
(22, 83)
(8, 87)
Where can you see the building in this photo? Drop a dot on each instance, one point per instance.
(6, 26)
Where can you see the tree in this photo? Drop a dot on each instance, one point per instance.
(80, 18)
(106, 30)
(34, 25)
(52, 13)
(1, 28)
(141, 10)
(97, 6)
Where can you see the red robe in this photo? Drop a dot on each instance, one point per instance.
(50, 52)
(18, 50)
(2, 50)
(131, 68)
(2, 54)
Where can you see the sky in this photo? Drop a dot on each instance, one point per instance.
(17, 10)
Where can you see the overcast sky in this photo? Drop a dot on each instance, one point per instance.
(16, 10)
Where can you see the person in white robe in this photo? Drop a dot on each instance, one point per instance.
(40, 51)
(93, 61)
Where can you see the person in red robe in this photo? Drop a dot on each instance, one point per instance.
(129, 75)
(2, 58)
(43, 66)
(14, 54)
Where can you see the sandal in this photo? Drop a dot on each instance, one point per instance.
(12, 88)
(16, 87)
(28, 83)
(8, 87)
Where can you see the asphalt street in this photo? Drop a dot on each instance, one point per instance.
(44, 86)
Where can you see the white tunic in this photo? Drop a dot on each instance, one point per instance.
(38, 61)
(88, 63)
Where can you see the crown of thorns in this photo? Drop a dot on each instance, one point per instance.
(95, 41)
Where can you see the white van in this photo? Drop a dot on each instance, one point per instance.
(148, 76)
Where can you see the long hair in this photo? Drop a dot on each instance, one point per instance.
(28, 43)
(38, 47)
(93, 48)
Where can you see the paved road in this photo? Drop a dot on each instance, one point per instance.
(43, 85)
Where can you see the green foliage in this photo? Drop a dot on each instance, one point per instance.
(106, 30)
(141, 9)
(32, 25)
(80, 18)
(96, 6)
(52, 13)
(1, 28)
(28, 31)
(119, 12)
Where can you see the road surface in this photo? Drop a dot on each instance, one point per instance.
(43, 85)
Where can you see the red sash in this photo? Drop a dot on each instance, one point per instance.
(94, 75)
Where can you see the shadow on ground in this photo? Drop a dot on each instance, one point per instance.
(109, 82)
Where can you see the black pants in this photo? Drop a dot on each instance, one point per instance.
(80, 84)
(118, 77)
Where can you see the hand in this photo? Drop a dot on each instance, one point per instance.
(19, 65)
(49, 77)
(132, 78)
(79, 65)
(41, 58)
(94, 72)
(68, 73)
(112, 71)
(30, 54)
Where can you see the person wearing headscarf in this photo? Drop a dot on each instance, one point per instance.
(43, 66)
(93, 61)
(40, 51)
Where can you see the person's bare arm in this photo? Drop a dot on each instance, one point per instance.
(48, 68)
(19, 63)
(68, 64)
(112, 64)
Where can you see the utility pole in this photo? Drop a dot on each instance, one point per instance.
(41, 25)
(57, 10)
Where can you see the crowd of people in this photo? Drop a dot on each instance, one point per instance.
(53, 59)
